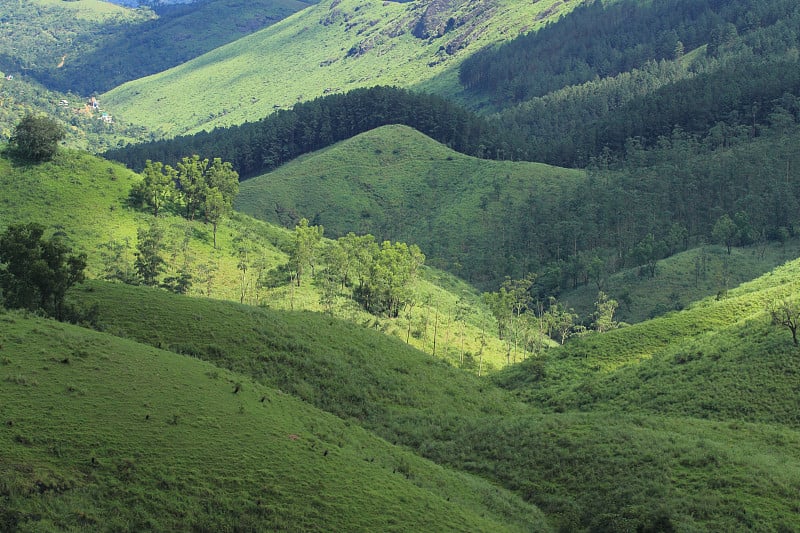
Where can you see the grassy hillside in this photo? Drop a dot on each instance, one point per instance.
(91, 46)
(103, 433)
(398, 184)
(612, 438)
(333, 46)
(85, 199)
(729, 361)
(620, 443)
(681, 279)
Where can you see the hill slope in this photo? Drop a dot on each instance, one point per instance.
(333, 46)
(656, 465)
(92, 46)
(399, 184)
(100, 432)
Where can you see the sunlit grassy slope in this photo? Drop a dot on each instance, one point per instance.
(687, 422)
(720, 358)
(614, 436)
(397, 183)
(101, 433)
(331, 47)
(85, 199)
(681, 279)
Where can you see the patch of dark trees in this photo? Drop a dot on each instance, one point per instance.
(602, 39)
(257, 147)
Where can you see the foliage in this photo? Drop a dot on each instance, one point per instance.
(36, 138)
(257, 147)
(36, 272)
(149, 261)
(786, 314)
(323, 50)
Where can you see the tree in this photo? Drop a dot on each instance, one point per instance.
(35, 273)
(304, 251)
(561, 319)
(786, 314)
(192, 183)
(725, 231)
(604, 313)
(149, 263)
(215, 209)
(36, 138)
(156, 186)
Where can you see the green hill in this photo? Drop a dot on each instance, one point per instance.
(685, 422)
(103, 433)
(330, 47)
(92, 46)
(399, 184)
(619, 443)
(85, 199)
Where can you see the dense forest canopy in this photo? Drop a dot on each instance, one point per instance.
(257, 147)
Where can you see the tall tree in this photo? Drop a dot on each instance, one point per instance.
(304, 252)
(725, 231)
(149, 262)
(192, 183)
(157, 185)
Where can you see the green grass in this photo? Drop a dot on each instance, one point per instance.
(398, 184)
(85, 199)
(622, 446)
(105, 434)
(719, 358)
(682, 279)
(308, 55)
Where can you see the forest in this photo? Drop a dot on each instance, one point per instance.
(258, 147)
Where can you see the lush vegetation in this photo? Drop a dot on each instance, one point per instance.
(641, 70)
(258, 147)
(241, 376)
(331, 47)
(485, 220)
(104, 433)
(89, 47)
(86, 201)
(567, 459)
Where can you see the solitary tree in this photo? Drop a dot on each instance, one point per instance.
(35, 273)
(36, 138)
(786, 314)
(725, 231)
(149, 263)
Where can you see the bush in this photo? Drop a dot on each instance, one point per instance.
(36, 138)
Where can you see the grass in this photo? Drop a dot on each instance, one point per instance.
(398, 184)
(108, 434)
(682, 279)
(628, 441)
(85, 199)
(315, 52)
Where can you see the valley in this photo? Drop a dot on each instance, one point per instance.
(399, 266)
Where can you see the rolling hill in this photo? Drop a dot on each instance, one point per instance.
(104, 433)
(333, 46)
(85, 199)
(399, 184)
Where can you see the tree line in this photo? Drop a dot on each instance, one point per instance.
(258, 147)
